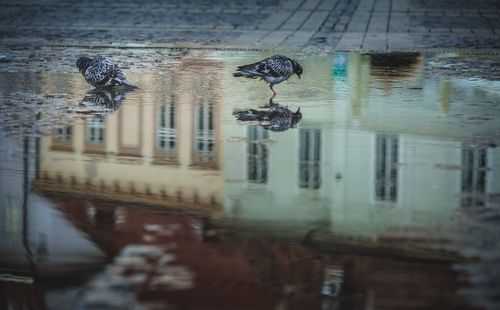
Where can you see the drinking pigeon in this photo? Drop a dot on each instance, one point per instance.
(273, 70)
(100, 72)
(273, 117)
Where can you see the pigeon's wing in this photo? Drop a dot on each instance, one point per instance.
(260, 68)
(102, 72)
(279, 66)
(273, 69)
(279, 121)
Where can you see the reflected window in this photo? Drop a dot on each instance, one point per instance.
(63, 134)
(310, 158)
(120, 215)
(62, 139)
(257, 154)
(166, 132)
(332, 280)
(386, 172)
(42, 249)
(204, 141)
(95, 130)
(10, 215)
(475, 163)
(91, 211)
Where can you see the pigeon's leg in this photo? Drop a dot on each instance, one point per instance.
(271, 86)
(272, 103)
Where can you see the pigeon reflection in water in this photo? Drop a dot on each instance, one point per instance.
(101, 102)
(104, 99)
(273, 117)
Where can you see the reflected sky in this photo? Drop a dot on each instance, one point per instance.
(387, 149)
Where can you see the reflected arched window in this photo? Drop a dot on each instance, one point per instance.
(204, 133)
(386, 172)
(62, 139)
(95, 130)
(166, 131)
(332, 280)
(257, 154)
(63, 134)
(310, 158)
(475, 163)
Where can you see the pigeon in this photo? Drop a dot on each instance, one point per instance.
(273, 117)
(272, 70)
(100, 72)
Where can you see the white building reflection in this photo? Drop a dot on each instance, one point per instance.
(386, 161)
(378, 154)
(310, 158)
(257, 150)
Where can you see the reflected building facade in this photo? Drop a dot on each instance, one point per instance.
(351, 169)
(160, 147)
(365, 158)
(386, 170)
(360, 165)
(310, 158)
(257, 152)
(474, 176)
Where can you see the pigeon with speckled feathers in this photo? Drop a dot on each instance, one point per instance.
(272, 70)
(100, 72)
(273, 117)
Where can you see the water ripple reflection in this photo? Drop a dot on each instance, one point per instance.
(369, 183)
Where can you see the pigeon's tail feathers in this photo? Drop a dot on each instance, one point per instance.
(246, 74)
(248, 115)
(246, 67)
(128, 84)
(248, 71)
(252, 66)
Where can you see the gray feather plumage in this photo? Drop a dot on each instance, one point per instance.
(273, 117)
(100, 72)
(273, 70)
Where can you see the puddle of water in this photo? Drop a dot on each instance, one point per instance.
(382, 188)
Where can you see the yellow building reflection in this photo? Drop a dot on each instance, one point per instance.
(161, 146)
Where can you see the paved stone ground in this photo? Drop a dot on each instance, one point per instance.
(347, 25)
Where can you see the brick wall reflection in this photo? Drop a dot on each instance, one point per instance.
(227, 269)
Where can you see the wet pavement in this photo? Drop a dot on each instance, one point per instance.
(384, 193)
